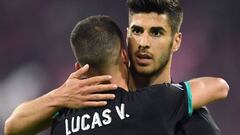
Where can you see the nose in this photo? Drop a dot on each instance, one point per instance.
(144, 41)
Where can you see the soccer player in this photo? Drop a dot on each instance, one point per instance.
(74, 93)
(154, 35)
(27, 120)
(151, 110)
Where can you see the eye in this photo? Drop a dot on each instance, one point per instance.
(156, 33)
(136, 30)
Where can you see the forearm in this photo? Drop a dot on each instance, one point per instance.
(32, 116)
(207, 89)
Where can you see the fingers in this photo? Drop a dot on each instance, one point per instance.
(97, 79)
(100, 88)
(80, 72)
(92, 100)
(95, 103)
(98, 97)
(85, 92)
(90, 81)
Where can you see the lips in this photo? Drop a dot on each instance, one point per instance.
(143, 58)
(144, 55)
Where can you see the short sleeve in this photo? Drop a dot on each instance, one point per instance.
(181, 99)
(189, 97)
(175, 98)
(186, 98)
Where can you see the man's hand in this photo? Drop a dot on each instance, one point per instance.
(77, 93)
(36, 115)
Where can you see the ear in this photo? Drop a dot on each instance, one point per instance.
(124, 56)
(77, 65)
(177, 41)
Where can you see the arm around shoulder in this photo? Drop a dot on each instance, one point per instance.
(208, 89)
(33, 116)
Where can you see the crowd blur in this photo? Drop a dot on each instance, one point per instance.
(35, 55)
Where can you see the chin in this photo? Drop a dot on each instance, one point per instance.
(144, 71)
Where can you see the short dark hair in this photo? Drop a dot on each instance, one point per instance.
(170, 7)
(96, 41)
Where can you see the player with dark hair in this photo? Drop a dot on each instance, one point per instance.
(151, 110)
(154, 35)
(78, 93)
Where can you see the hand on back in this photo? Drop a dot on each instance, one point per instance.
(79, 93)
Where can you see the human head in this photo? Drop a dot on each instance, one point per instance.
(171, 8)
(97, 41)
(153, 35)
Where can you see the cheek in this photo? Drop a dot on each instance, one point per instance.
(132, 44)
(159, 49)
(160, 45)
(136, 39)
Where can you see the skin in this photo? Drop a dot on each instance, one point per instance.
(151, 48)
(160, 48)
(74, 93)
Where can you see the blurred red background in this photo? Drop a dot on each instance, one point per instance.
(35, 54)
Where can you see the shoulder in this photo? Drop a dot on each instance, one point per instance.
(165, 87)
(163, 92)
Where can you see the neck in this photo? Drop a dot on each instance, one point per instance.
(119, 79)
(163, 76)
(119, 76)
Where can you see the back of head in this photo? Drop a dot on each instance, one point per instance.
(96, 41)
(171, 8)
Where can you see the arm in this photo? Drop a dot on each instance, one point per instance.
(207, 89)
(33, 116)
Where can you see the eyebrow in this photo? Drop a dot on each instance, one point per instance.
(136, 26)
(158, 29)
